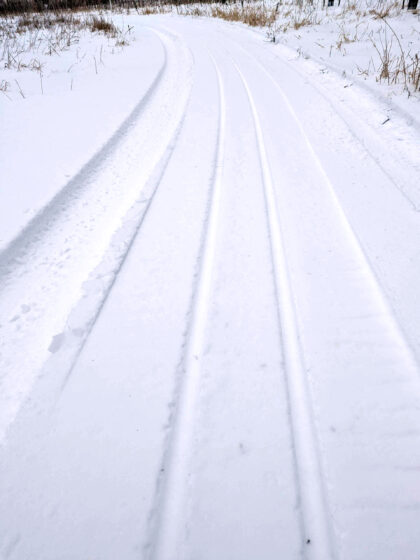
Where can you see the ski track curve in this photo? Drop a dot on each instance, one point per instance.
(156, 248)
(364, 350)
(113, 260)
(43, 271)
(39, 224)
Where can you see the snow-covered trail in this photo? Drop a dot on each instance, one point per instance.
(43, 269)
(240, 379)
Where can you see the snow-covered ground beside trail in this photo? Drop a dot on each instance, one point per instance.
(209, 268)
(352, 41)
(48, 134)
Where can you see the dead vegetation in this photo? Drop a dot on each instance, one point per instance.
(26, 39)
(153, 9)
(4, 86)
(52, 32)
(397, 65)
(254, 15)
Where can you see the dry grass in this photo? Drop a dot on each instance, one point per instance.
(352, 18)
(4, 86)
(26, 39)
(385, 9)
(53, 32)
(99, 24)
(154, 9)
(302, 20)
(255, 15)
(347, 36)
(383, 12)
(403, 67)
(292, 17)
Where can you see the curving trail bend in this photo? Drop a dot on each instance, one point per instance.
(232, 369)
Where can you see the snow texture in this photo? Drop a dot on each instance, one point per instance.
(209, 306)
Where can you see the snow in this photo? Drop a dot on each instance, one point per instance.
(95, 200)
(62, 128)
(350, 43)
(208, 283)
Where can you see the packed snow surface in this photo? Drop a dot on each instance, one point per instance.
(209, 306)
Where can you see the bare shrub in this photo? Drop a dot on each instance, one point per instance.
(402, 68)
(26, 39)
(4, 86)
(254, 15)
(99, 24)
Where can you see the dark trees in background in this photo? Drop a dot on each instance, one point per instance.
(412, 4)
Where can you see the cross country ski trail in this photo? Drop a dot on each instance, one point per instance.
(243, 380)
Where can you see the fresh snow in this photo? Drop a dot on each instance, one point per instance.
(208, 303)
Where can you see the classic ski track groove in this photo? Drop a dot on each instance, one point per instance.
(347, 121)
(313, 503)
(339, 112)
(357, 245)
(164, 534)
(359, 140)
(170, 493)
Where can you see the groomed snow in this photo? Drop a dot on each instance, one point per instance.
(208, 304)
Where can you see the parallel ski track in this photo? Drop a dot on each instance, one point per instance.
(380, 292)
(314, 507)
(167, 510)
(314, 501)
(315, 518)
(339, 113)
(347, 122)
(383, 300)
